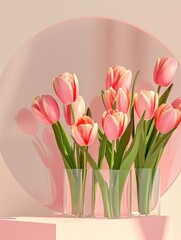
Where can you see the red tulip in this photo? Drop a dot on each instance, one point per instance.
(46, 109)
(146, 101)
(66, 87)
(177, 103)
(164, 71)
(85, 131)
(78, 108)
(118, 77)
(167, 118)
(114, 123)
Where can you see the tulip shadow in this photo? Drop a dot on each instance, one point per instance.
(48, 153)
(153, 227)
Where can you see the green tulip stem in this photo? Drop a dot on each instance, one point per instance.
(84, 173)
(158, 90)
(73, 114)
(112, 154)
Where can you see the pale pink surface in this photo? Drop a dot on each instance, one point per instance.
(78, 108)
(66, 87)
(118, 77)
(146, 101)
(23, 79)
(114, 123)
(85, 131)
(43, 228)
(165, 70)
(46, 109)
(12, 230)
(167, 118)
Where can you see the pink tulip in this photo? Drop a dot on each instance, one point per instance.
(114, 123)
(164, 71)
(122, 100)
(46, 109)
(146, 101)
(85, 131)
(109, 98)
(118, 77)
(167, 118)
(177, 103)
(66, 87)
(78, 108)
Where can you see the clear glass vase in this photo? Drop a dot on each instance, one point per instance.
(112, 193)
(146, 192)
(78, 196)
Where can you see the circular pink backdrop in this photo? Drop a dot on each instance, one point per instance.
(86, 46)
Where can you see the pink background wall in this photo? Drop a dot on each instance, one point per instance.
(20, 20)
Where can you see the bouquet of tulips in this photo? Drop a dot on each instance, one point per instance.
(122, 142)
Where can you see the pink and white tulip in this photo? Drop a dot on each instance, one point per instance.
(109, 98)
(164, 71)
(167, 118)
(85, 131)
(114, 123)
(66, 87)
(177, 103)
(46, 109)
(118, 77)
(79, 109)
(122, 100)
(146, 101)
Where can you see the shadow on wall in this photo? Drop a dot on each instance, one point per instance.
(48, 153)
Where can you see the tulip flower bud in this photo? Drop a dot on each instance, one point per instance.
(167, 118)
(177, 103)
(46, 109)
(78, 108)
(164, 71)
(85, 131)
(118, 77)
(109, 98)
(114, 123)
(146, 101)
(123, 100)
(66, 87)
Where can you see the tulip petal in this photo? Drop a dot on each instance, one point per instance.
(111, 127)
(93, 134)
(78, 138)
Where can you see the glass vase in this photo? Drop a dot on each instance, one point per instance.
(112, 193)
(146, 192)
(78, 196)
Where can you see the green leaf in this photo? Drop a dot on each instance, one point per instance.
(88, 113)
(132, 152)
(102, 150)
(121, 146)
(59, 141)
(102, 96)
(155, 150)
(108, 147)
(114, 105)
(165, 95)
(132, 103)
(66, 144)
(141, 152)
